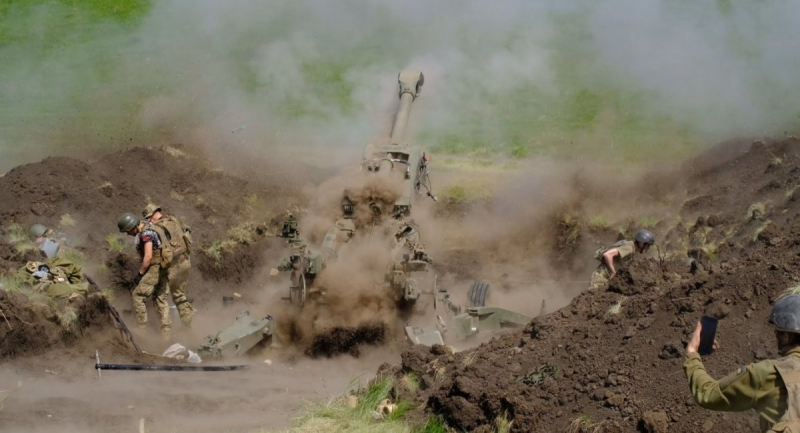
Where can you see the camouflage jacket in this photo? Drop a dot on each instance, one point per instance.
(62, 278)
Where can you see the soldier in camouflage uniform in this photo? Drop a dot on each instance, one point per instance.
(770, 387)
(150, 280)
(617, 254)
(178, 275)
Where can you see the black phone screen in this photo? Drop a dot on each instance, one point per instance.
(707, 334)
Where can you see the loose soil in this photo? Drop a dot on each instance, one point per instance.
(623, 372)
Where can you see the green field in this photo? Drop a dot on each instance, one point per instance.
(93, 74)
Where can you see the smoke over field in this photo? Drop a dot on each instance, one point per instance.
(621, 78)
(541, 118)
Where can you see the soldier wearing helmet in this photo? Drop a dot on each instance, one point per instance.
(619, 253)
(48, 241)
(770, 387)
(150, 279)
(179, 238)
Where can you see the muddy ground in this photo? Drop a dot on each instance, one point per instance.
(588, 367)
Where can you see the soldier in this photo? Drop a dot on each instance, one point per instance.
(178, 274)
(769, 387)
(150, 279)
(620, 252)
(48, 242)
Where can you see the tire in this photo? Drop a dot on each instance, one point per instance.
(477, 294)
(297, 291)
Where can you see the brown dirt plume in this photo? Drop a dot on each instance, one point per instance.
(347, 339)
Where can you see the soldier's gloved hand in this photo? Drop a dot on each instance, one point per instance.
(136, 279)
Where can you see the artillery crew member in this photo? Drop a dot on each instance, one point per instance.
(770, 387)
(619, 253)
(48, 241)
(179, 238)
(150, 279)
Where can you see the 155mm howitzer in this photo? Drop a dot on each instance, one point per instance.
(389, 156)
(393, 155)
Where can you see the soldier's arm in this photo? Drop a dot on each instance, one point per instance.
(148, 255)
(609, 258)
(736, 392)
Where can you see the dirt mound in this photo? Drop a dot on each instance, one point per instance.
(347, 339)
(31, 327)
(83, 199)
(612, 360)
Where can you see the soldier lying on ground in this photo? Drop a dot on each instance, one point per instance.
(48, 241)
(56, 277)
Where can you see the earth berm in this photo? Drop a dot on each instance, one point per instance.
(611, 361)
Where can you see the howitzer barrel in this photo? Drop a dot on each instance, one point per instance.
(410, 86)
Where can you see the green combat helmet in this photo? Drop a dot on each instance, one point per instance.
(127, 222)
(38, 231)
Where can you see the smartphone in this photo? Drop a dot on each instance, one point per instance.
(707, 333)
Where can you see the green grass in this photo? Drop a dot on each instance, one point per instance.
(325, 82)
(241, 234)
(220, 247)
(711, 250)
(648, 222)
(334, 415)
(434, 425)
(115, 242)
(581, 424)
(456, 193)
(11, 283)
(502, 424)
(19, 237)
(598, 222)
(73, 256)
(410, 381)
(66, 318)
(66, 221)
(615, 308)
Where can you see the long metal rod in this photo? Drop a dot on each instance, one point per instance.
(142, 367)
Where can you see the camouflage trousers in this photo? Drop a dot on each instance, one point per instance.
(599, 278)
(177, 280)
(153, 285)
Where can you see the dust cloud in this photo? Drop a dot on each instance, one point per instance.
(290, 79)
(261, 86)
(62, 392)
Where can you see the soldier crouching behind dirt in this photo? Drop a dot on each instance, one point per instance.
(770, 387)
(150, 279)
(180, 239)
(617, 254)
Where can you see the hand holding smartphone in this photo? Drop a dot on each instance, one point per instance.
(707, 335)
